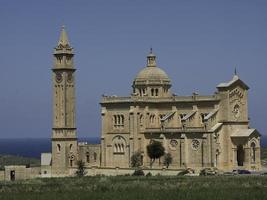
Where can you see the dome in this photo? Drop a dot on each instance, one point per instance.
(151, 81)
(152, 73)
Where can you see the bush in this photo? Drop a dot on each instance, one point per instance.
(81, 168)
(167, 160)
(186, 171)
(138, 172)
(136, 159)
(208, 172)
(148, 174)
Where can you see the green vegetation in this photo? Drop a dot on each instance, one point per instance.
(136, 159)
(155, 150)
(81, 168)
(167, 159)
(129, 187)
(17, 160)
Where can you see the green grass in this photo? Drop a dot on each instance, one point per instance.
(156, 188)
(17, 160)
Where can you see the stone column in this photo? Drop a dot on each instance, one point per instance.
(234, 151)
(183, 163)
(247, 159)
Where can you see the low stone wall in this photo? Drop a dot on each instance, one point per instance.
(126, 171)
(20, 172)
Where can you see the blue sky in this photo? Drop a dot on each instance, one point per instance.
(198, 43)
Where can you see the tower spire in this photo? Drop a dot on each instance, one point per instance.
(63, 39)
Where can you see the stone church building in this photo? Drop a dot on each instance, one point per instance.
(198, 131)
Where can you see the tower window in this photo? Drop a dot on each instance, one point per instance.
(71, 163)
(152, 92)
(70, 147)
(95, 156)
(156, 92)
(141, 120)
(58, 147)
(118, 121)
(253, 152)
(88, 157)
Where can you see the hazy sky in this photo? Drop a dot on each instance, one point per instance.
(198, 43)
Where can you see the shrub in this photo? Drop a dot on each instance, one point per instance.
(167, 159)
(148, 174)
(138, 172)
(186, 171)
(136, 159)
(81, 168)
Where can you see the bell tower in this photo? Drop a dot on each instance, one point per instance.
(64, 136)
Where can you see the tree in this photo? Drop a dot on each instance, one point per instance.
(167, 160)
(155, 150)
(81, 168)
(136, 159)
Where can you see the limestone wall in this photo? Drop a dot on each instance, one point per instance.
(126, 171)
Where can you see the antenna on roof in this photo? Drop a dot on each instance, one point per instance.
(235, 70)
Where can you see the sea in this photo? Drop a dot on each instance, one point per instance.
(33, 147)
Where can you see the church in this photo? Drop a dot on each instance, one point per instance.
(197, 131)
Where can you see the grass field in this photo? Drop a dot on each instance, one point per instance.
(127, 187)
(132, 188)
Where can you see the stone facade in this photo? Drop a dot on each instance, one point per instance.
(198, 131)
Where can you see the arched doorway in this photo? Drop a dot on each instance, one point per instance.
(240, 155)
(253, 152)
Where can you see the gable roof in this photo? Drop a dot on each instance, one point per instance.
(245, 133)
(235, 80)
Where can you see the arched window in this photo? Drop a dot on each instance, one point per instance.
(88, 157)
(122, 120)
(95, 156)
(119, 148)
(152, 92)
(141, 120)
(58, 147)
(253, 152)
(70, 147)
(118, 121)
(156, 92)
(119, 145)
(71, 163)
(152, 119)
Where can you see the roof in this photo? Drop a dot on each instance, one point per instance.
(235, 79)
(152, 73)
(216, 126)
(168, 115)
(211, 114)
(63, 39)
(188, 115)
(46, 159)
(244, 132)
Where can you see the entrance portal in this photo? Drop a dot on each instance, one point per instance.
(12, 175)
(240, 155)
